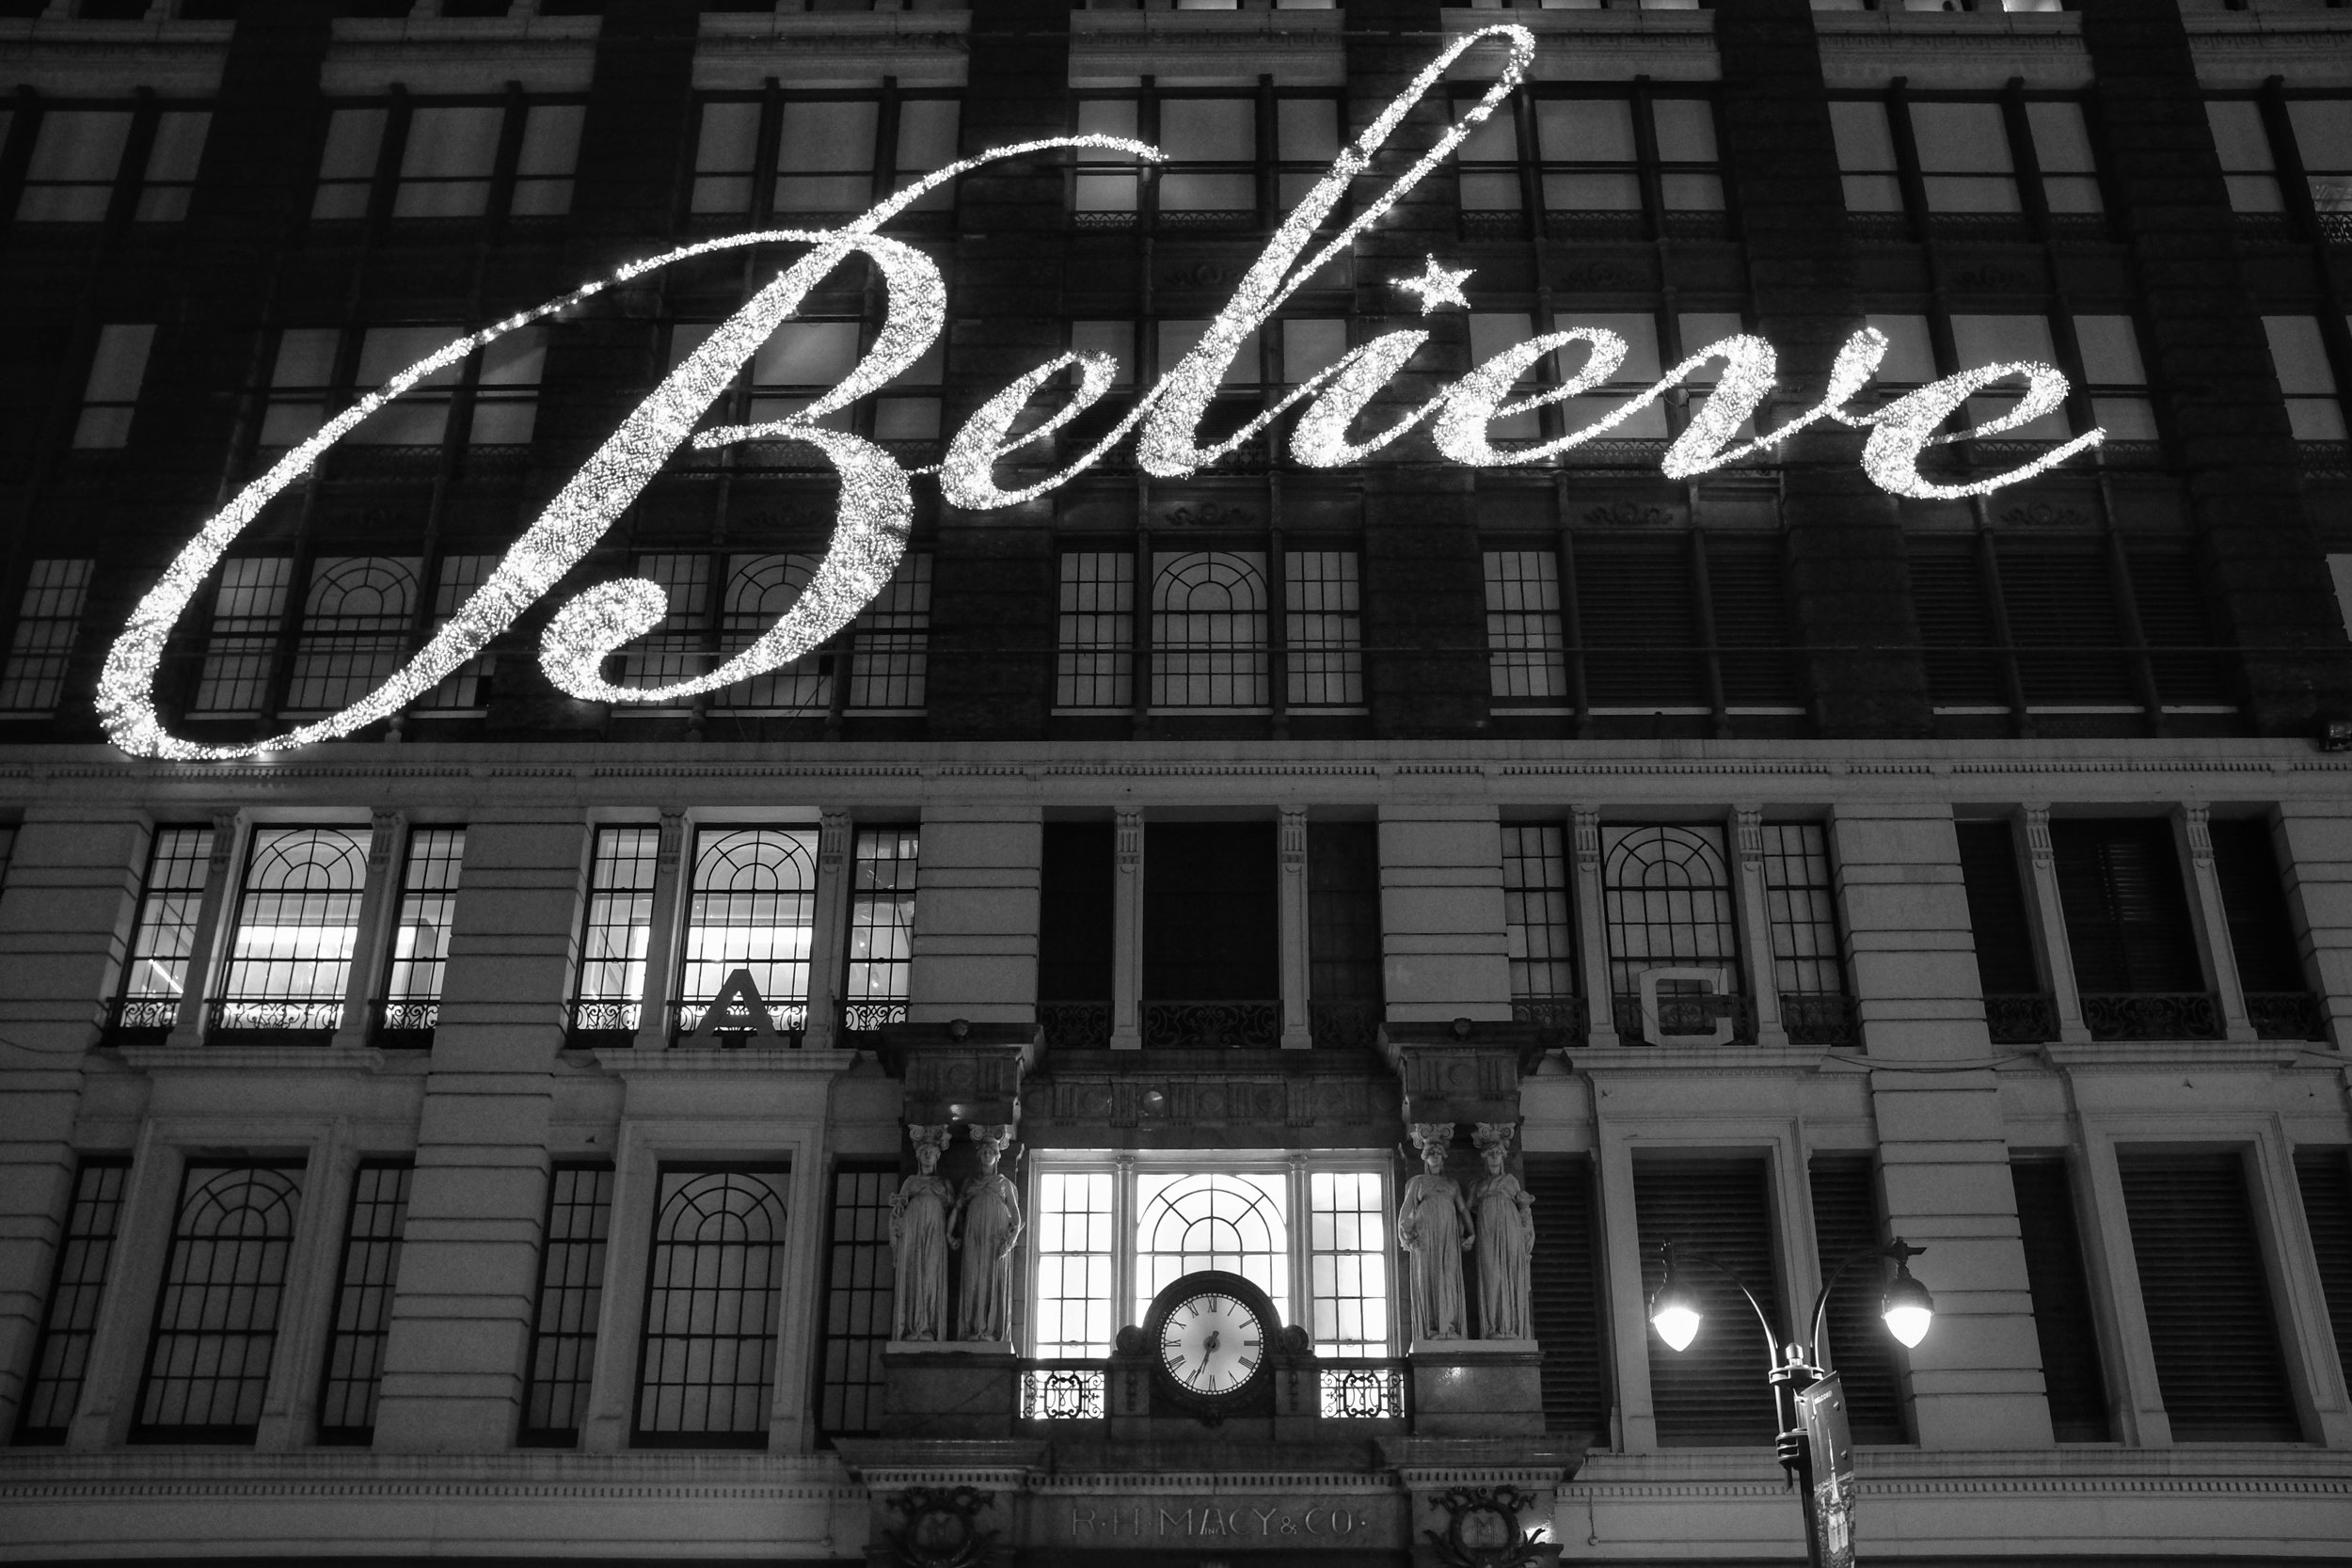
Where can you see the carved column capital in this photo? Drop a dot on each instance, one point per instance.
(832, 838)
(1295, 842)
(2197, 817)
(1128, 830)
(1585, 830)
(2037, 819)
(1747, 828)
(673, 831)
(383, 839)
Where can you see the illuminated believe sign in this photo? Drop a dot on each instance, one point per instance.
(876, 503)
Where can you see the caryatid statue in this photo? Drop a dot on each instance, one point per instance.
(1433, 1226)
(918, 1242)
(1507, 1239)
(989, 1208)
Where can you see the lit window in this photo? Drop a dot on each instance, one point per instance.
(171, 165)
(68, 1323)
(422, 926)
(1666, 903)
(714, 1287)
(1074, 1248)
(362, 1319)
(571, 1293)
(116, 371)
(827, 151)
(448, 160)
(420, 416)
(614, 929)
(2247, 166)
(1237, 1221)
(248, 611)
(2062, 148)
(216, 1333)
(506, 389)
(155, 976)
(2003, 339)
(297, 924)
(2116, 377)
(751, 908)
(891, 639)
(760, 589)
(354, 629)
(1964, 160)
(1525, 642)
(1323, 629)
(882, 926)
(1542, 940)
(1094, 631)
(76, 157)
(1347, 1256)
(2314, 408)
(1209, 631)
(55, 591)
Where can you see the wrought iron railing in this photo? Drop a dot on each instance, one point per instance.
(302, 1020)
(1212, 1024)
(141, 1020)
(1980, 228)
(593, 1021)
(1702, 226)
(1686, 1019)
(2153, 1016)
(1816, 1020)
(1343, 1025)
(1494, 225)
(404, 1024)
(1063, 1391)
(1075, 1025)
(1208, 220)
(2286, 1015)
(2027, 1020)
(787, 1021)
(1361, 1390)
(1563, 1016)
(867, 1018)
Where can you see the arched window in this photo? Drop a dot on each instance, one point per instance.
(1209, 631)
(1212, 1219)
(354, 629)
(1666, 895)
(298, 921)
(760, 588)
(216, 1319)
(708, 1363)
(753, 905)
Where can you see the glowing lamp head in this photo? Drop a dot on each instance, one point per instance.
(1907, 1309)
(1674, 1311)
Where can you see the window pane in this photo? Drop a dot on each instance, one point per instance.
(1309, 130)
(208, 1360)
(1209, 629)
(2061, 138)
(891, 642)
(723, 154)
(1686, 130)
(354, 629)
(927, 133)
(1323, 629)
(752, 905)
(297, 924)
(1094, 635)
(1347, 1301)
(76, 157)
(1237, 1221)
(422, 925)
(155, 975)
(714, 1289)
(618, 916)
(361, 1321)
(543, 172)
(1666, 901)
(1584, 130)
(882, 926)
(1074, 1248)
(347, 169)
(1541, 937)
(70, 1322)
(248, 609)
(1525, 642)
(445, 166)
(2300, 355)
(571, 1293)
(1209, 130)
(2239, 137)
(43, 637)
(1865, 143)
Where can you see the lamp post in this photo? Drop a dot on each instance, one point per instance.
(1905, 1308)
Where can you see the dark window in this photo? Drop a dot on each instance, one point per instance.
(1570, 1325)
(363, 1302)
(1960, 640)
(78, 1276)
(1713, 1392)
(1845, 1221)
(571, 1293)
(1753, 648)
(858, 1282)
(713, 1285)
(1343, 912)
(2173, 621)
(1997, 910)
(2126, 914)
(2206, 1291)
(1209, 928)
(2325, 1178)
(1077, 888)
(1639, 611)
(1536, 911)
(2063, 1321)
(217, 1315)
(2067, 630)
(2262, 932)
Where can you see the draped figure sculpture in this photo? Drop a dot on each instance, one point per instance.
(918, 1242)
(1506, 1217)
(1433, 1226)
(990, 1209)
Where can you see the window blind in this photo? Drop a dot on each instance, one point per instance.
(1565, 1277)
(1714, 1392)
(1846, 1220)
(2063, 1321)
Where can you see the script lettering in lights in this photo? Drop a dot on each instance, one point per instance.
(876, 504)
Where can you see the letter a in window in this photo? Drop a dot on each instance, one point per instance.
(738, 999)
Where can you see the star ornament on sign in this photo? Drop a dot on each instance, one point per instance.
(1437, 286)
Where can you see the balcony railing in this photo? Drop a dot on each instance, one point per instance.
(2153, 1016)
(407, 1024)
(141, 1020)
(866, 1019)
(788, 1021)
(2029, 1020)
(1686, 1020)
(1075, 1025)
(1563, 1016)
(1816, 1019)
(1063, 1391)
(1362, 1391)
(2286, 1015)
(1343, 1025)
(599, 1022)
(272, 1019)
(1212, 1025)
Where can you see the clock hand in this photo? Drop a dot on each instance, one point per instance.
(1208, 1346)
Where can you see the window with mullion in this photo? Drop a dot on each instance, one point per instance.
(217, 1313)
(363, 1320)
(1667, 903)
(307, 384)
(799, 362)
(1801, 908)
(422, 926)
(82, 153)
(297, 924)
(828, 148)
(1537, 924)
(882, 926)
(163, 936)
(450, 157)
(2259, 137)
(714, 1287)
(69, 1323)
(42, 639)
(751, 906)
(1954, 164)
(1603, 163)
(571, 1293)
(617, 923)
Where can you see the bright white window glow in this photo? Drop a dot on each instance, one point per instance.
(1347, 1238)
(1235, 1221)
(1074, 1254)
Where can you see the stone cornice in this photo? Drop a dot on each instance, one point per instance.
(1296, 48)
(1613, 45)
(2242, 49)
(451, 55)
(111, 58)
(736, 52)
(1940, 50)
(356, 1062)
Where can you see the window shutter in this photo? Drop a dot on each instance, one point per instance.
(1845, 1220)
(2172, 620)
(1743, 578)
(1343, 912)
(2064, 1322)
(1997, 910)
(1079, 884)
(1566, 1282)
(2262, 933)
(2325, 1178)
(2126, 916)
(2061, 614)
(1713, 1392)
(1210, 931)
(1640, 623)
(1956, 625)
(2207, 1295)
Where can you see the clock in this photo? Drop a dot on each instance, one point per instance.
(1212, 1336)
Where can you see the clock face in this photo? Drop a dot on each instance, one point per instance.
(1211, 1343)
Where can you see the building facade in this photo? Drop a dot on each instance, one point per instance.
(484, 1135)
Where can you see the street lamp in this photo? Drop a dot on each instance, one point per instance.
(1905, 1308)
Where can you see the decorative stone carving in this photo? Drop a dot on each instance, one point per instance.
(1505, 1219)
(918, 1242)
(990, 1212)
(1433, 1228)
(942, 1528)
(1483, 1528)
